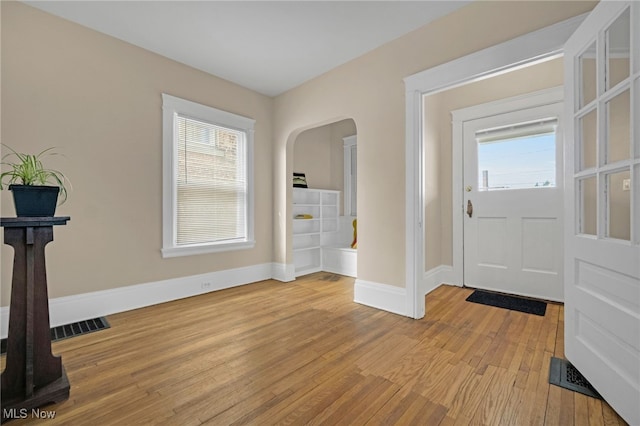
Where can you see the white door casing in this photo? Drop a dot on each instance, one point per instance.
(524, 50)
(602, 212)
(513, 237)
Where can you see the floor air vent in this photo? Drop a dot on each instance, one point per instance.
(562, 373)
(78, 328)
(70, 330)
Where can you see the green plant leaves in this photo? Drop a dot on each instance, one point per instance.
(27, 169)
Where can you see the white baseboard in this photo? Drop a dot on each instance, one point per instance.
(284, 272)
(69, 309)
(381, 296)
(436, 276)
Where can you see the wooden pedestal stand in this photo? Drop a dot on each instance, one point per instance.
(33, 376)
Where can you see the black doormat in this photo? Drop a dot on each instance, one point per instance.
(513, 303)
(70, 330)
(562, 373)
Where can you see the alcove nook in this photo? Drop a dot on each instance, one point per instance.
(324, 212)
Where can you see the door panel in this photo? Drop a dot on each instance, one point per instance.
(602, 204)
(539, 237)
(492, 242)
(513, 177)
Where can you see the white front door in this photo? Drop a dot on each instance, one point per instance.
(602, 203)
(513, 200)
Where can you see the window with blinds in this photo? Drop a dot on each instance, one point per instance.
(207, 177)
(211, 183)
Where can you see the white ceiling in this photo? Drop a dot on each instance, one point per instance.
(267, 46)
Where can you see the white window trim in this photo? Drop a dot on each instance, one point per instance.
(171, 106)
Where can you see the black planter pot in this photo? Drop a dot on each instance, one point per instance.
(34, 200)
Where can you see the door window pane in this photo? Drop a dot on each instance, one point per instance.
(587, 65)
(587, 141)
(619, 205)
(634, 188)
(619, 127)
(588, 207)
(517, 163)
(617, 50)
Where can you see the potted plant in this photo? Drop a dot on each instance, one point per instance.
(35, 188)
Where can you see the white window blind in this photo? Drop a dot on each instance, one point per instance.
(211, 183)
(207, 200)
(518, 156)
(520, 130)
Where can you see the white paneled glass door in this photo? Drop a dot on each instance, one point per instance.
(602, 203)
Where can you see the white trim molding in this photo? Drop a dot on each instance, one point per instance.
(522, 51)
(284, 272)
(69, 309)
(437, 276)
(381, 296)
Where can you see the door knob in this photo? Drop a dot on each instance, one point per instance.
(469, 208)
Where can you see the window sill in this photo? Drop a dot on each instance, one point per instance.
(191, 250)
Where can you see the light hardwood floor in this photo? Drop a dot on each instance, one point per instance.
(304, 353)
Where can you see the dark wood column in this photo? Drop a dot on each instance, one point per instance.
(33, 376)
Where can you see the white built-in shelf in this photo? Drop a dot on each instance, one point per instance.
(309, 235)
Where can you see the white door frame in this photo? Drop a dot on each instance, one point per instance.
(520, 52)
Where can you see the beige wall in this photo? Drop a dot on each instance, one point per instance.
(319, 154)
(312, 156)
(370, 89)
(433, 144)
(99, 100)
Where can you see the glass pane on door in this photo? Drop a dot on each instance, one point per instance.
(635, 189)
(517, 163)
(617, 50)
(587, 65)
(587, 141)
(619, 128)
(636, 108)
(619, 205)
(588, 207)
